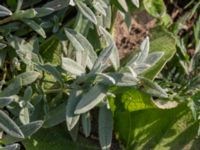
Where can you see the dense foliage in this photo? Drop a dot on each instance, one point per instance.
(62, 78)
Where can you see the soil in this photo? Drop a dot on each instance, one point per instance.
(128, 39)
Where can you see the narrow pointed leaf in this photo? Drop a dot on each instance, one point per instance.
(4, 11)
(12, 147)
(72, 67)
(86, 123)
(103, 58)
(28, 77)
(114, 56)
(31, 128)
(55, 116)
(89, 100)
(12, 89)
(105, 128)
(86, 11)
(153, 88)
(153, 58)
(71, 118)
(144, 51)
(9, 126)
(136, 3)
(4, 101)
(36, 27)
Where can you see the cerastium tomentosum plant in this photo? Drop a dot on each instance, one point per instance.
(63, 77)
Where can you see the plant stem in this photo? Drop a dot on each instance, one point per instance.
(6, 20)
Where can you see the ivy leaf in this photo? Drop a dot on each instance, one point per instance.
(86, 11)
(89, 100)
(9, 126)
(4, 11)
(105, 127)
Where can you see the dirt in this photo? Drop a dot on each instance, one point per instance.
(128, 39)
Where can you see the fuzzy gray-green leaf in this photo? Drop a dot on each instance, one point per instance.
(28, 77)
(72, 67)
(86, 11)
(71, 118)
(105, 128)
(89, 100)
(9, 126)
(86, 123)
(4, 11)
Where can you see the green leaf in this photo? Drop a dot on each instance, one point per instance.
(103, 59)
(55, 116)
(71, 118)
(144, 51)
(11, 147)
(28, 130)
(153, 58)
(153, 88)
(86, 11)
(134, 100)
(28, 77)
(56, 4)
(114, 56)
(50, 50)
(51, 70)
(4, 11)
(56, 138)
(162, 129)
(86, 123)
(9, 126)
(72, 67)
(105, 127)
(89, 100)
(31, 128)
(124, 79)
(28, 93)
(44, 11)
(82, 44)
(162, 42)
(98, 6)
(12, 89)
(36, 27)
(25, 14)
(155, 8)
(4, 101)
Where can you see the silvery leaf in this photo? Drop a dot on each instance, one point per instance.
(92, 98)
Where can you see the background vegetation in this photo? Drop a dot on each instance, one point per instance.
(64, 83)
